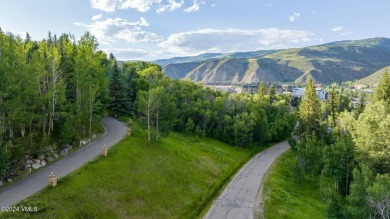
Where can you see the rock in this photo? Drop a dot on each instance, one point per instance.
(36, 166)
(50, 148)
(54, 147)
(26, 167)
(1, 183)
(12, 173)
(36, 160)
(9, 180)
(43, 163)
(26, 157)
(55, 155)
(93, 136)
(64, 151)
(50, 159)
(70, 147)
(41, 157)
(29, 161)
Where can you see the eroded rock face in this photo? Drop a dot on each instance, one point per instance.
(36, 166)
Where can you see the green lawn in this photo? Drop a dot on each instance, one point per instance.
(175, 178)
(284, 198)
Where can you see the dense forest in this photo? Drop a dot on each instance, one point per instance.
(349, 146)
(56, 91)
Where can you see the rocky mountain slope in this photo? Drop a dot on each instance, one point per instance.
(332, 62)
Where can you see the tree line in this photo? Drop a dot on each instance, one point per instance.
(351, 147)
(57, 90)
(51, 91)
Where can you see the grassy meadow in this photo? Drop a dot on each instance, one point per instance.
(284, 198)
(175, 178)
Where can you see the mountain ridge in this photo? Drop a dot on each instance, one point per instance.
(326, 63)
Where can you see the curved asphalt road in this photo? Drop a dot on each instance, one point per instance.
(114, 132)
(238, 200)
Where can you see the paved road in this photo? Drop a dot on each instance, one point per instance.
(114, 132)
(238, 200)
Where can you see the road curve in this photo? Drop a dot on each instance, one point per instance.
(238, 200)
(114, 132)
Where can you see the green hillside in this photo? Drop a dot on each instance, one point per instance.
(373, 79)
(175, 178)
(338, 61)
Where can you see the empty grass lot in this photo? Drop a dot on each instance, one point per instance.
(175, 178)
(286, 199)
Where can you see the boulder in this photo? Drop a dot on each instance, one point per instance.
(70, 147)
(29, 161)
(26, 167)
(43, 163)
(50, 148)
(55, 155)
(50, 159)
(64, 151)
(36, 166)
(41, 157)
(9, 180)
(93, 136)
(36, 160)
(1, 183)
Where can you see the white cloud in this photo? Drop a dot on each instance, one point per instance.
(293, 17)
(213, 5)
(96, 17)
(194, 7)
(105, 5)
(109, 30)
(133, 36)
(170, 6)
(139, 5)
(346, 33)
(231, 40)
(337, 29)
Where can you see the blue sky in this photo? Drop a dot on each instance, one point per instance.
(155, 29)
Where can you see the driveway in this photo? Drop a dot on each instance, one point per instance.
(114, 132)
(239, 199)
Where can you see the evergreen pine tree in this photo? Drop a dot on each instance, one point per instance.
(382, 91)
(119, 103)
(262, 89)
(309, 111)
(272, 93)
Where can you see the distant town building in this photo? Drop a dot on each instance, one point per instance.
(250, 88)
(300, 92)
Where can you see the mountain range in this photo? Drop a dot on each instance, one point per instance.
(332, 62)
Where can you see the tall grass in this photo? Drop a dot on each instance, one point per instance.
(175, 178)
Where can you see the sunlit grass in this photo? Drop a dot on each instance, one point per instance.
(175, 178)
(284, 198)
